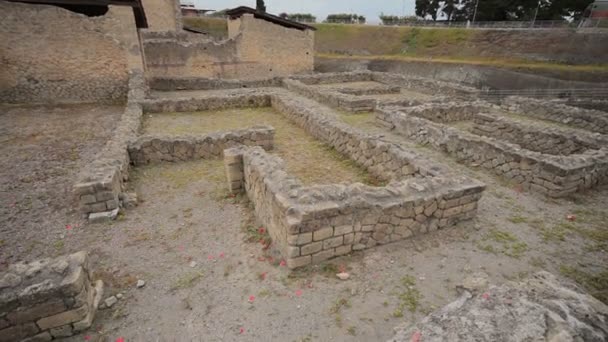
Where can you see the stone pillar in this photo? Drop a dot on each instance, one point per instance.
(48, 298)
(233, 162)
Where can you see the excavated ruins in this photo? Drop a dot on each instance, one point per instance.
(359, 166)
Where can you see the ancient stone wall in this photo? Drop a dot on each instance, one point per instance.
(52, 55)
(348, 102)
(46, 299)
(195, 83)
(342, 98)
(276, 50)
(258, 50)
(540, 139)
(153, 149)
(163, 15)
(553, 175)
(316, 223)
(100, 184)
(589, 119)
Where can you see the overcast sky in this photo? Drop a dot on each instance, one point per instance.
(320, 8)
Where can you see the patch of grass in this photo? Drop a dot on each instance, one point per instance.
(517, 219)
(596, 284)
(352, 331)
(264, 293)
(187, 280)
(216, 27)
(180, 175)
(338, 305)
(503, 242)
(409, 297)
(312, 161)
(59, 244)
(478, 60)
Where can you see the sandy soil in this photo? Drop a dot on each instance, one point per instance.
(205, 281)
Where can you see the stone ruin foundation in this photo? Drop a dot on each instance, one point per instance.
(310, 224)
(48, 299)
(553, 161)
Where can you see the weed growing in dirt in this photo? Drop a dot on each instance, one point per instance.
(409, 297)
(517, 219)
(497, 241)
(187, 280)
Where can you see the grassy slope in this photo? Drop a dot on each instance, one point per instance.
(452, 45)
(216, 27)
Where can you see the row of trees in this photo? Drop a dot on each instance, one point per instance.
(344, 18)
(501, 10)
(300, 17)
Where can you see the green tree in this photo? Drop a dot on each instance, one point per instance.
(260, 5)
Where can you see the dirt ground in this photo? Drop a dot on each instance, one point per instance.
(42, 150)
(206, 280)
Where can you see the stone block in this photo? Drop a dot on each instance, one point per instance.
(42, 337)
(323, 233)
(299, 239)
(311, 248)
(105, 216)
(341, 230)
(63, 318)
(342, 250)
(88, 199)
(29, 314)
(333, 242)
(64, 331)
(299, 262)
(292, 251)
(322, 256)
(349, 239)
(18, 332)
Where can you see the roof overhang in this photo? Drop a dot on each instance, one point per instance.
(138, 9)
(239, 11)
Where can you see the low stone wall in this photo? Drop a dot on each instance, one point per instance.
(334, 77)
(372, 90)
(334, 99)
(100, 184)
(591, 120)
(47, 299)
(351, 100)
(553, 175)
(237, 98)
(153, 149)
(450, 112)
(197, 83)
(546, 140)
(425, 85)
(316, 223)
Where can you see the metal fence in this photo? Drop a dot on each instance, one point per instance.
(523, 25)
